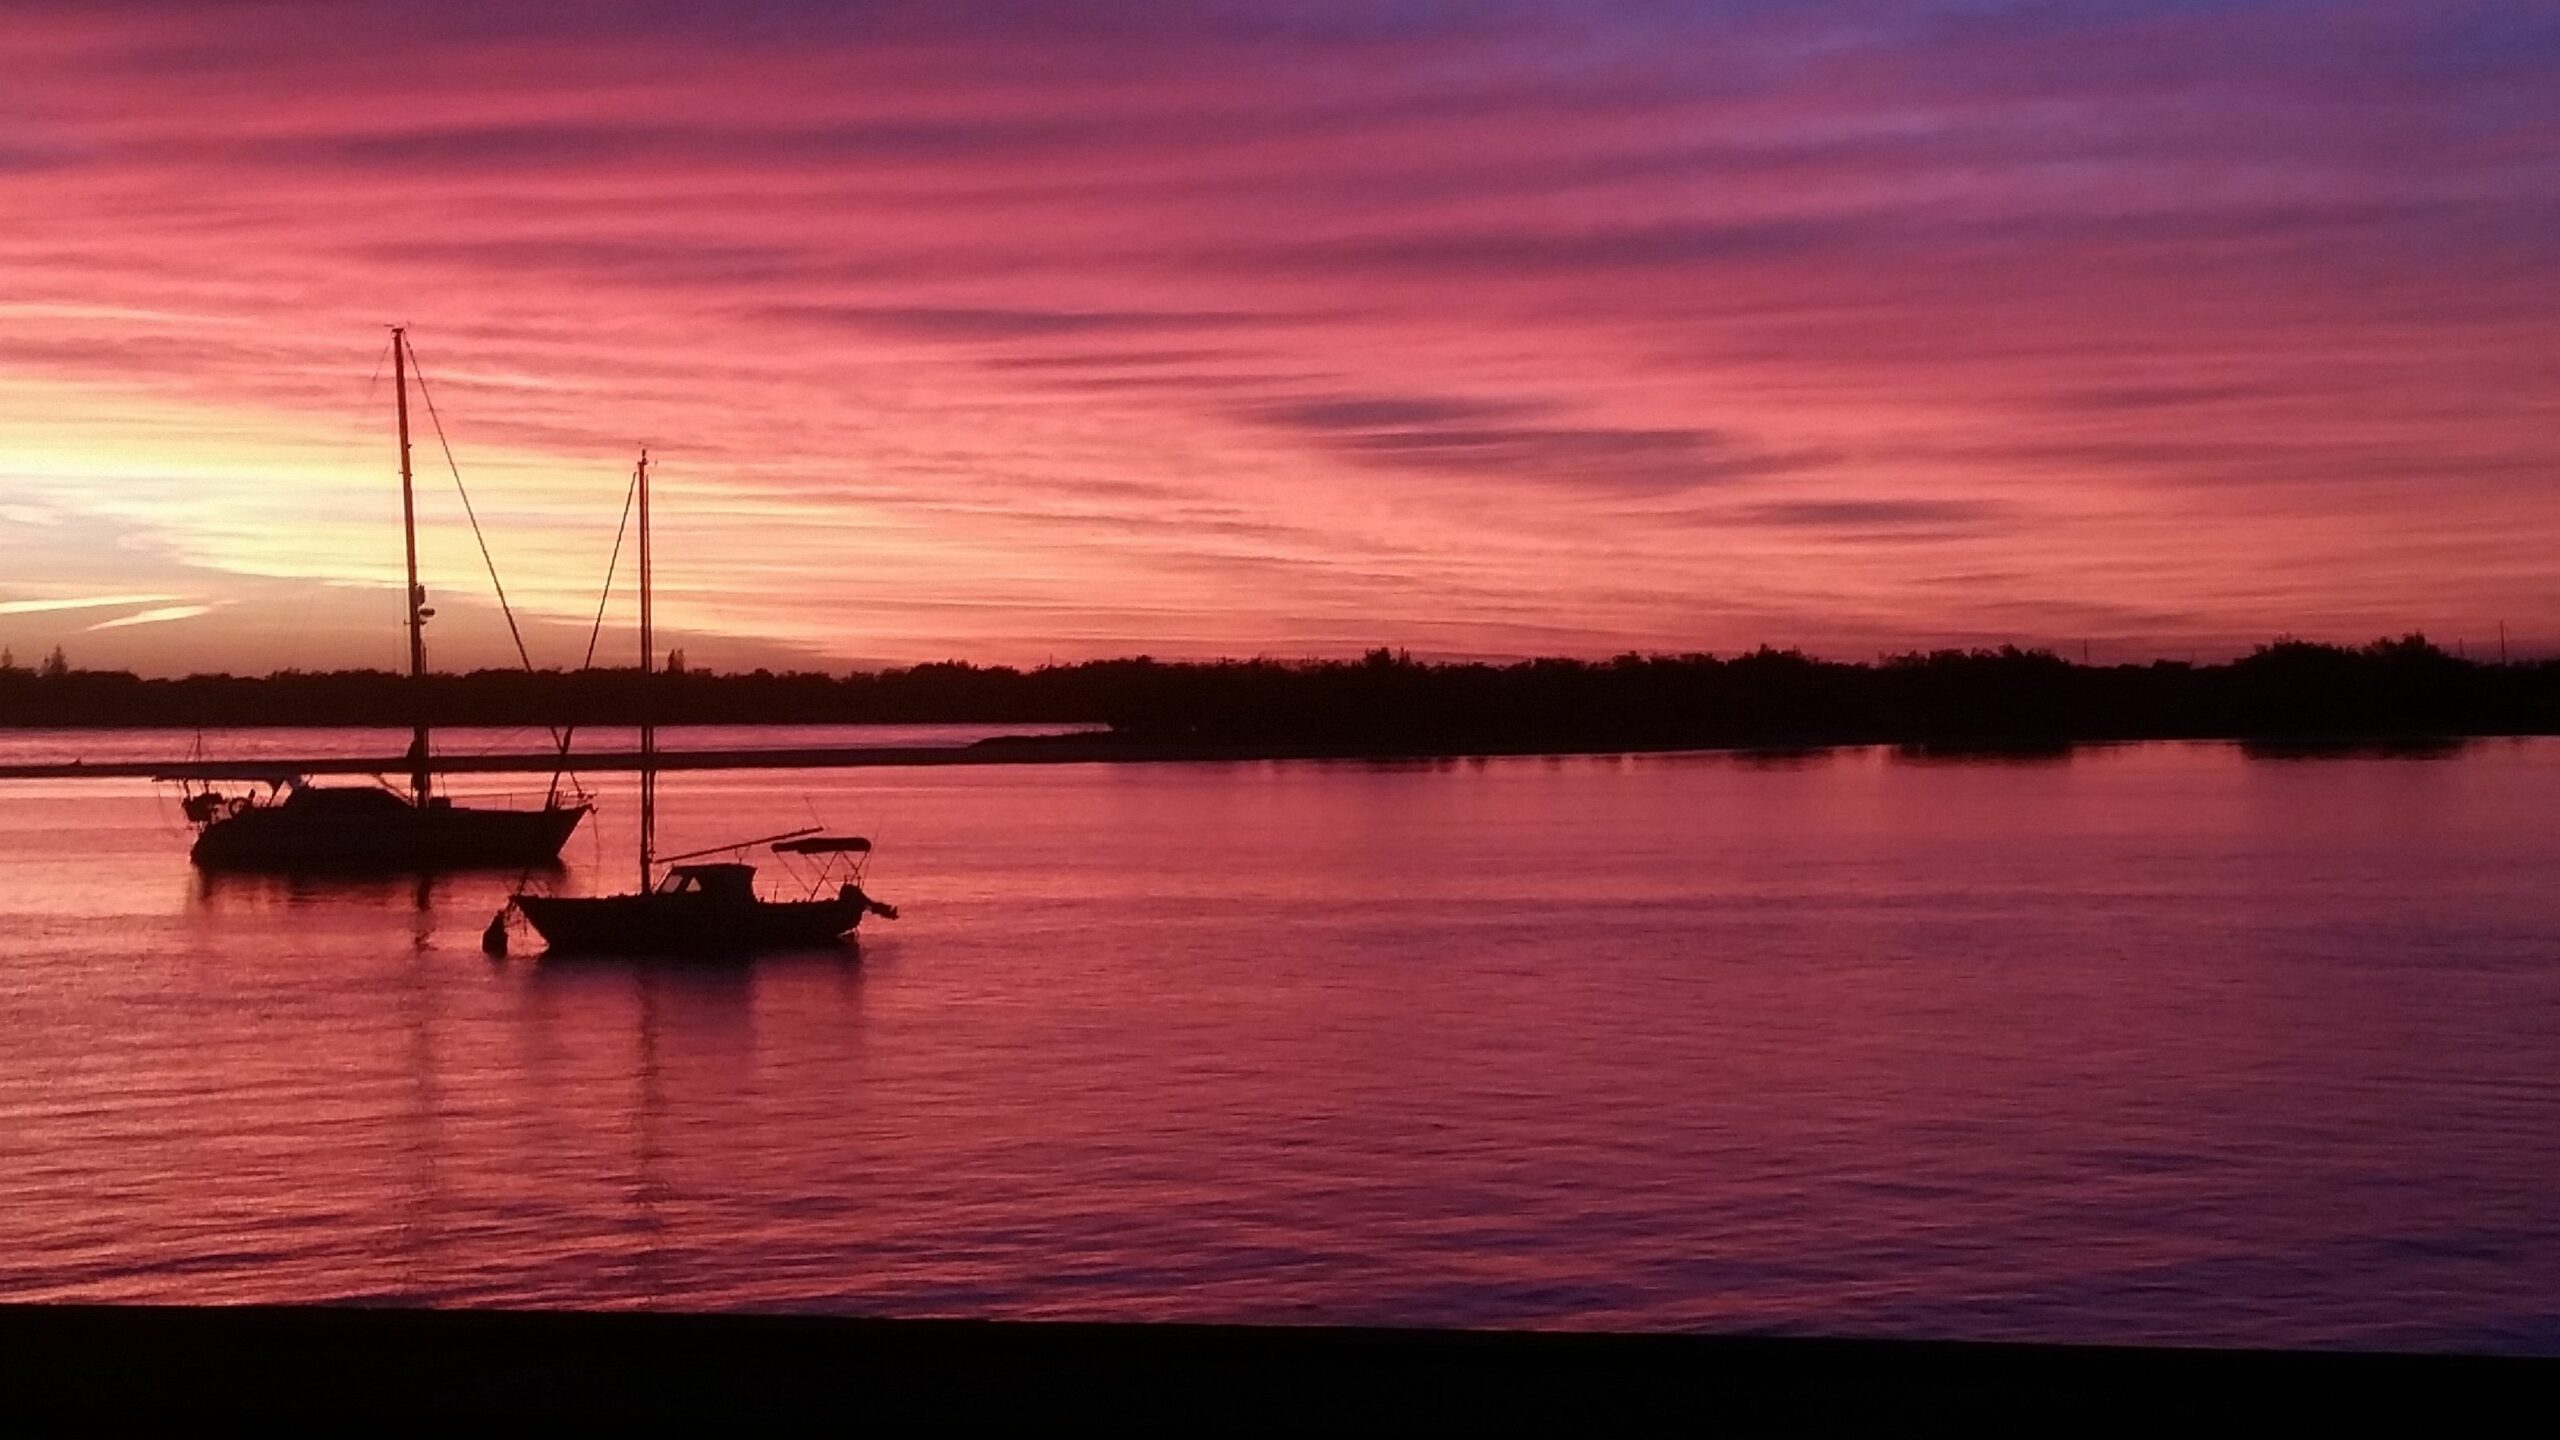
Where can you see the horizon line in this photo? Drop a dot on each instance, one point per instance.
(2509, 653)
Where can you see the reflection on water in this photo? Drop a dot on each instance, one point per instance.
(2011, 753)
(217, 892)
(2145, 1043)
(2426, 747)
(1784, 757)
(24, 745)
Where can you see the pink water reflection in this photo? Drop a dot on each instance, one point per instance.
(2156, 1044)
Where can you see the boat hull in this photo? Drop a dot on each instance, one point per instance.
(440, 837)
(688, 924)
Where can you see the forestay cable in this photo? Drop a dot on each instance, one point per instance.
(468, 513)
(514, 632)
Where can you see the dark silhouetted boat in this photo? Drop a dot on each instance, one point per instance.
(707, 909)
(297, 826)
(703, 909)
(300, 826)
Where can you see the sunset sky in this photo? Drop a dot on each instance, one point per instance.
(1061, 329)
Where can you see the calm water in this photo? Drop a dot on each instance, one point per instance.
(2151, 1044)
(247, 745)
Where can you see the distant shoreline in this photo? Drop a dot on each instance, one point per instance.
(1103, 749)
(1384, 705)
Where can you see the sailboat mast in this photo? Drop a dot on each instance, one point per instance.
(418, 779)
(648, 711)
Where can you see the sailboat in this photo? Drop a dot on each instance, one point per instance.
(296, 825)
(703, 908)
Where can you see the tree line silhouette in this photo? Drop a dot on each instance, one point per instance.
(1385, 701)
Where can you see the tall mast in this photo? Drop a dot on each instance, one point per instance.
(418, 779)
(648, 711)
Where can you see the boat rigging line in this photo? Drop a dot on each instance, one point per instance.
(560, 737)
(486, 559)
(566, 734)
(736, 845)
(612, 563)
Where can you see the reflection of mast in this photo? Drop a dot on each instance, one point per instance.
(648, 1187)
(648, 731)
(418, 611)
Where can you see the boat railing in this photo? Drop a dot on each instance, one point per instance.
(513, 798)
(259, 790)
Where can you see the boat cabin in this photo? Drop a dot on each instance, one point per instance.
(726, 881)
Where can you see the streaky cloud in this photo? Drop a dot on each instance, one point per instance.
(76, 602)
(160, 616)
(970, 324)
(997, 329)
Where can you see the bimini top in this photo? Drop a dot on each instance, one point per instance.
(822, 845)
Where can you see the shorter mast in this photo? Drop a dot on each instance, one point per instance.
(648, 731)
